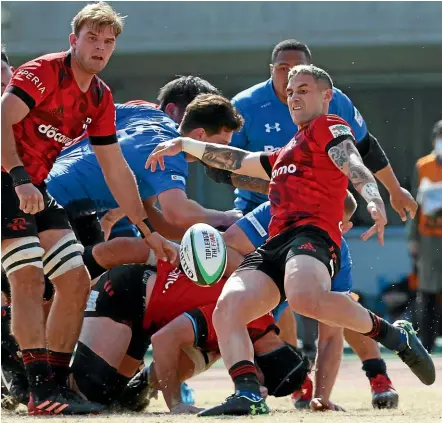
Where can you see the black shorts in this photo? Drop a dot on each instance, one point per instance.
(18, 224)
(307, 240)
(87, 229)
(120, 294)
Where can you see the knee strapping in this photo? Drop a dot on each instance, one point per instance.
(65, 255)
(21, 253)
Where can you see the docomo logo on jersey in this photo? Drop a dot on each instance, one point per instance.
(32, 78)
(52, 132)
(282, 170)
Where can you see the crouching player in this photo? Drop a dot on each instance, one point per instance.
(134, 305)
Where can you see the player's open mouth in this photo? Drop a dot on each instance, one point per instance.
(296, 108)
(97, 58)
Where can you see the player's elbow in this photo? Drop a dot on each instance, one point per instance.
(179, 215)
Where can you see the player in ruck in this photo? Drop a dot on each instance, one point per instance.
(51, 101)
(308, 181)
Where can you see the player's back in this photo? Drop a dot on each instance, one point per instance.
(76, 180)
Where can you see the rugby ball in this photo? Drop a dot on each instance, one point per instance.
(203, 254)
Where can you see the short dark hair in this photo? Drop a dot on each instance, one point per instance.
(437, 130)
(317, 73)
(291, 45)
(213, 113)
(5, 57)
(183, 90)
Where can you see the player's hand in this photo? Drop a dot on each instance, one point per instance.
(377, 212)
(31, 199)
(402, 201)
(185, 409)
(231, 216)
(346, 226)
(163, 249)
(108, 221)
(321, 404)
(167, 148)
(264, 391)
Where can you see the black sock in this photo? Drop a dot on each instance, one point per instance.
(40, 377)
(385, 333)
(245, 377)
(59, 362)
(428, 318)
(374, 367)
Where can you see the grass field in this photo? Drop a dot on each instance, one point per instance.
(418, 403)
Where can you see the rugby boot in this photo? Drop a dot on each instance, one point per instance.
(137, 394)
(383, 393)
(301, 398)
(62, 404)
(241, 403)
(413, 354)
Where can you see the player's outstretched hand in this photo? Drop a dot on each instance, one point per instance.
(31, 199)
(167, 148)
(377, 212)
(185, 409)
(163, 249)
(402, 201)
(321, 404)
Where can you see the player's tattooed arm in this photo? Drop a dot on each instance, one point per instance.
(249, 183)
(347, 158)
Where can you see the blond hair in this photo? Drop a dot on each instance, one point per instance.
(318, 74)
(98, 16)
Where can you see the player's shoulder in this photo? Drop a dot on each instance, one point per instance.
(255, 96)
(426, 160)
(50, 60)
(330, 124)
(328, 120)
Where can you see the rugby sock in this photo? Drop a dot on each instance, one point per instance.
(38, 371)
(245, 377)
(59, 362)
(384, 332)
(374, 367)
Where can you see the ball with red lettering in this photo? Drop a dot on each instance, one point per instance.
(203, 254)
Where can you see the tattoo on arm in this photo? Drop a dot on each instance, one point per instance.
(251, 184)
(222, 157)
(347, 158)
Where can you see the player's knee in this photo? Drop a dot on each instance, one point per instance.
(305, 302)
(22, 263)
(227, 312)
(94, 377)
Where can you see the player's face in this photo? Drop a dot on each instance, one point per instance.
(285, 60)
(223, 137)
(305, 98)
(93, 47)
(6, 75)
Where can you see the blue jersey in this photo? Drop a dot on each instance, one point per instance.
(255, 226)
(77, 182)
(268, 126)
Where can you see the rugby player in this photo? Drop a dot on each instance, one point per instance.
(7, 70)
(49, 101)
(308, 180)
(140, 127)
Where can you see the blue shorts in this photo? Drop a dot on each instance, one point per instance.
(255, 226)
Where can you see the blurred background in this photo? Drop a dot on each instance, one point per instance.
(386, 56)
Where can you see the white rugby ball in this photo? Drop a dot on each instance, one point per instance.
(203, 254)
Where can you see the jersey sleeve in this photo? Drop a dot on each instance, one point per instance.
(330, 130)
(102, 130)
(239, 139)
(268, 160)
(347, 111)
(33, 82)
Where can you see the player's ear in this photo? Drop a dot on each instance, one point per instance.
(328, 94)
(171, 110)
(271, 69)
(72, 39)
(197, 134)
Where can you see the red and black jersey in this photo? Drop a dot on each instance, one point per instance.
(59, 112)
(174, 294)
(306, 187)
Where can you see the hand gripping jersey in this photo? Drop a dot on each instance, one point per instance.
(305, 186)
(59, 112)
(174, 294)
(77, 182)
(269, 126)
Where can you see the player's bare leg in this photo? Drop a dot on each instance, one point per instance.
(72, 284)
(307, 284)
(383, 393)
(246, 296)
(287, 326)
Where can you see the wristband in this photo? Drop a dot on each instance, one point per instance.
(194, 148)
(149, 226)
(370, 192)
(19, 176)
